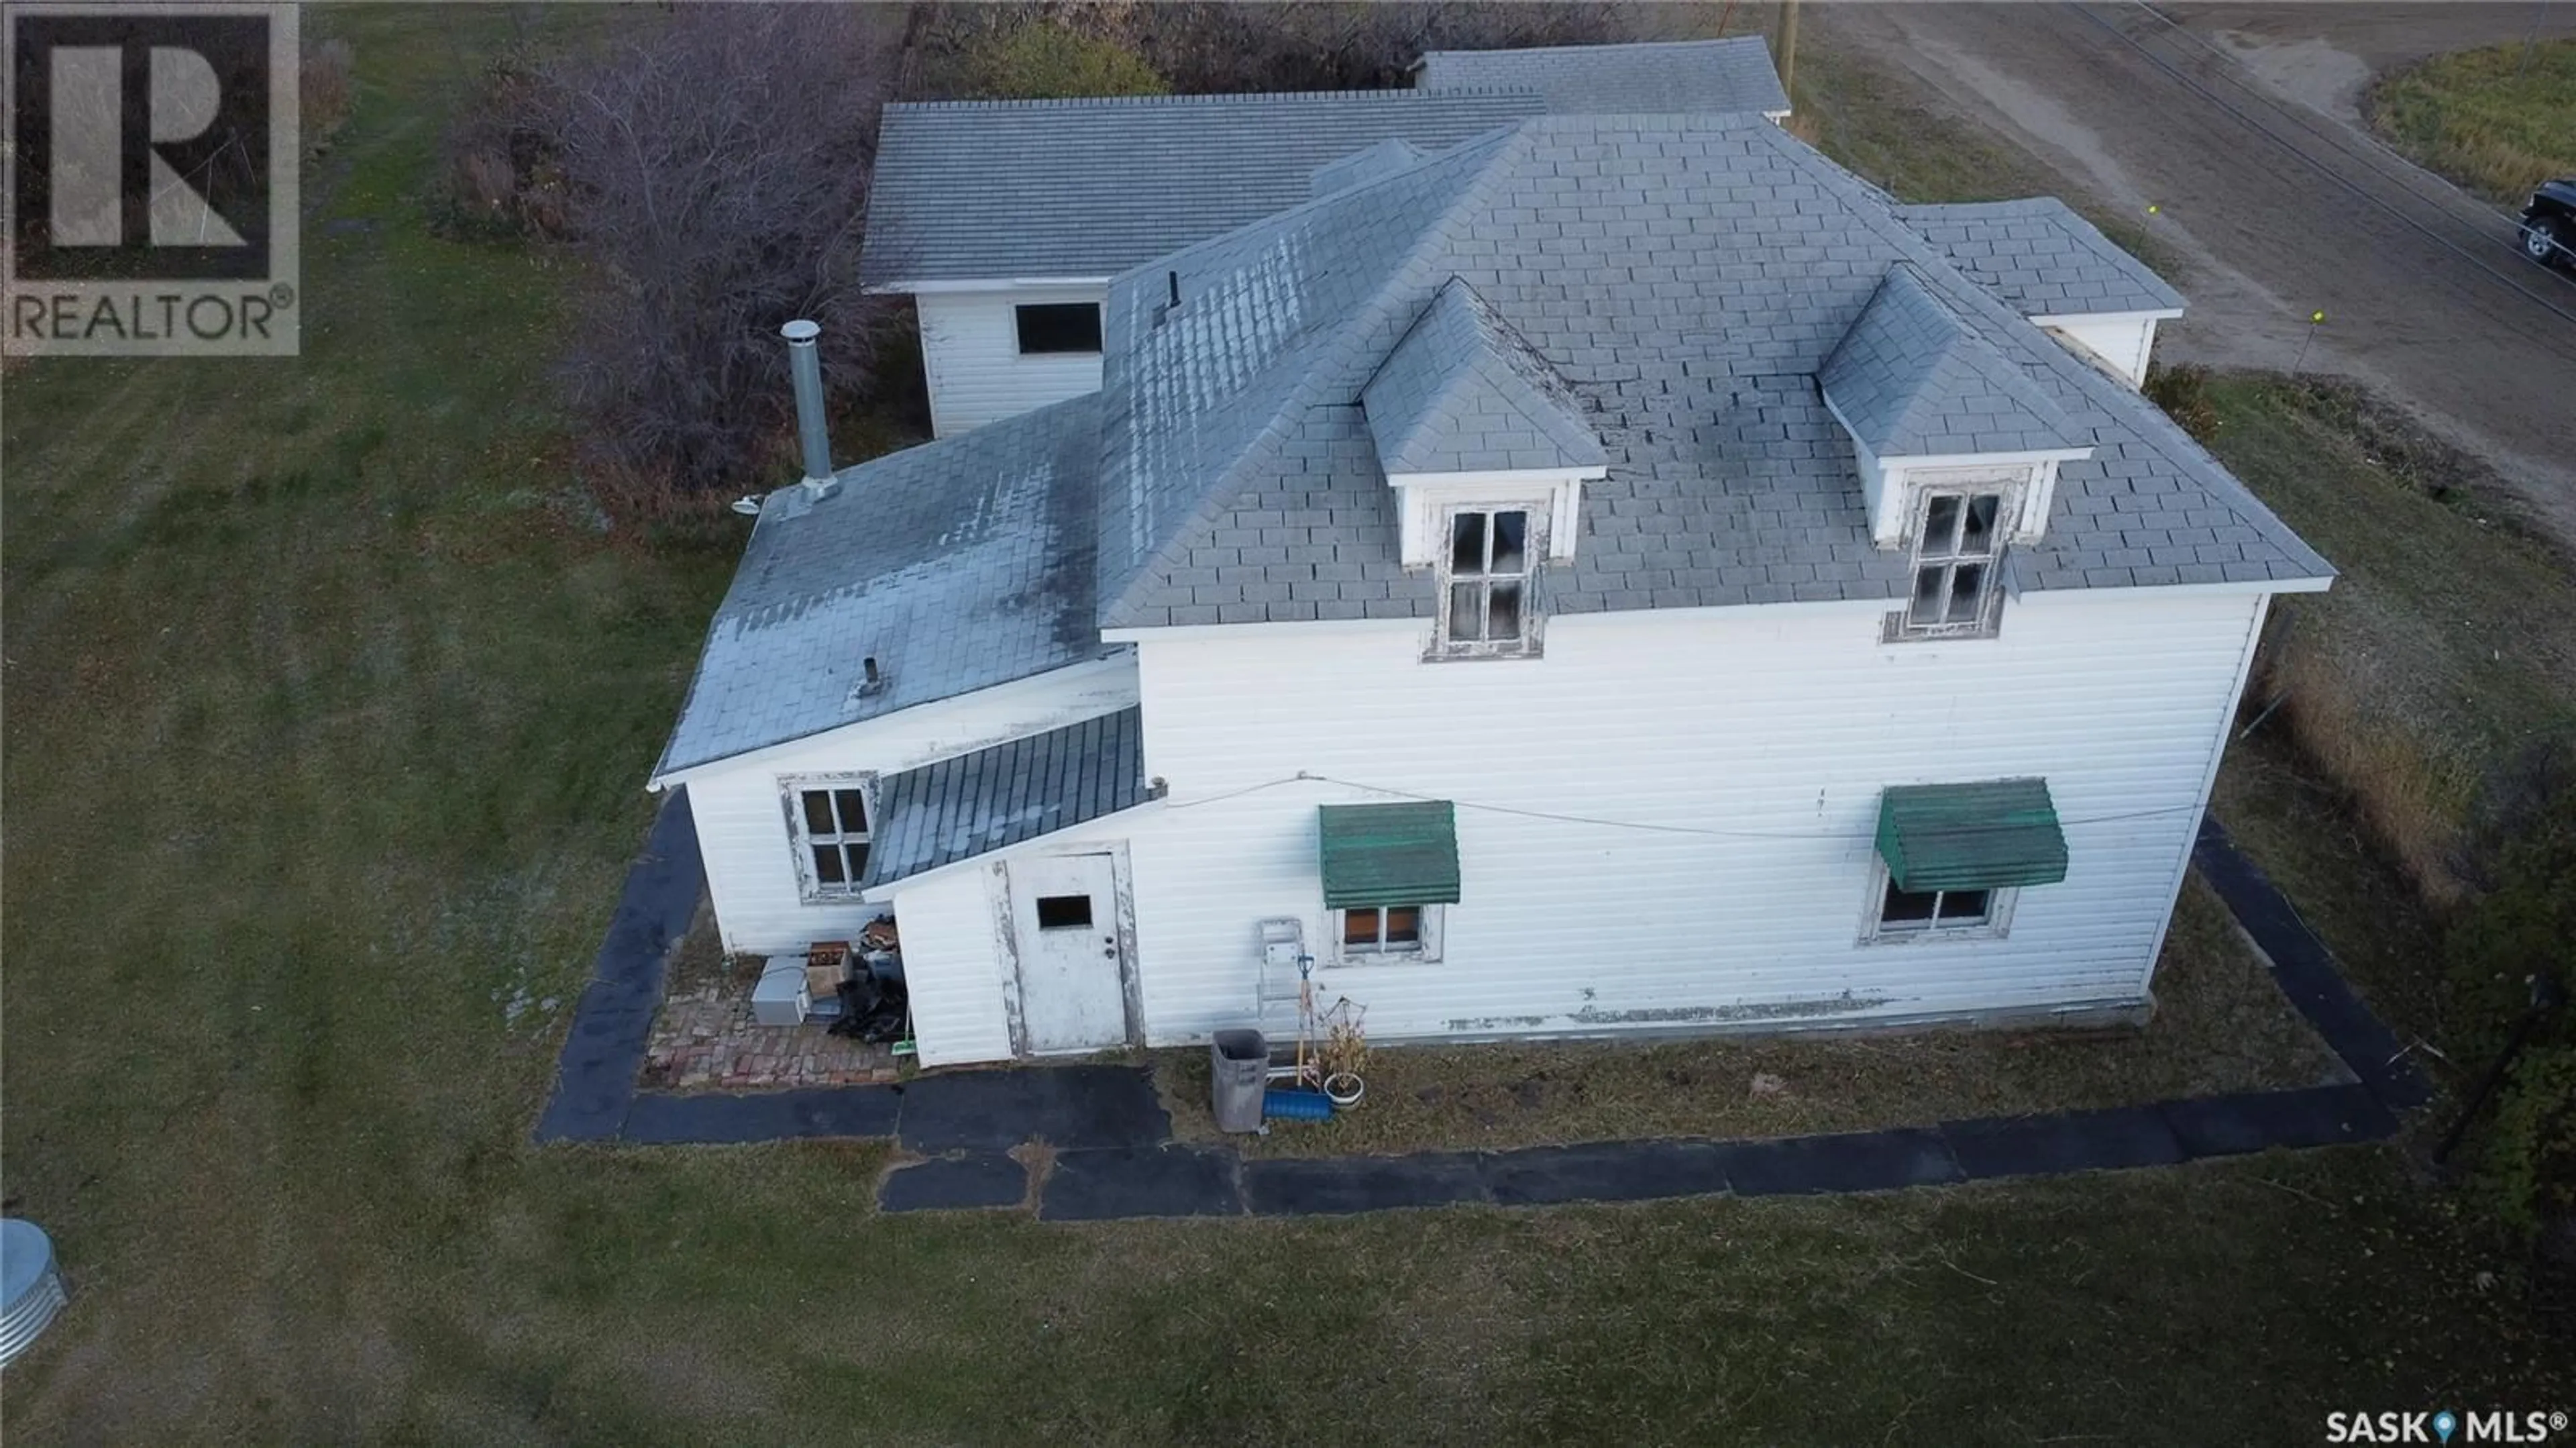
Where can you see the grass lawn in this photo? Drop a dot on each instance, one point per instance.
(2448, 645)
(2499, 121)
(2220, 1025)
(327, 711)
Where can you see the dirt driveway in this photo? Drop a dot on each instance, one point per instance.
(2234, 121)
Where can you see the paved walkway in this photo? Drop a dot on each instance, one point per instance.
(1113, 1155)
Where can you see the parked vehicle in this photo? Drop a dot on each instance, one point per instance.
(2549, 223)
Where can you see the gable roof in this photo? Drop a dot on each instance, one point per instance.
(1463, 393)
(1911, 379)
(1691, 275)
(1383, 159)
(986, 190)
(2041, 257)
(1639, 79)
(956, 565)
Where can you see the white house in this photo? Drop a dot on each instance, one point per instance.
(1005, 220)
(1617, 574)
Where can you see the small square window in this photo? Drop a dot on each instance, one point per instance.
(829, 820)
(1058, 327)
(1064, 912)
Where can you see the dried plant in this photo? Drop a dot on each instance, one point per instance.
(1344, 1049)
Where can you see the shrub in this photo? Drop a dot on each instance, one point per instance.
(712, 169)
(1038, 61)
(2521, 848)
(327, 90)
(2183, 392)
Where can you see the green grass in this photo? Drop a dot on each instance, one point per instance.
(2220, 1025)
(2499, 121)
(327, 714)
(2447, 646)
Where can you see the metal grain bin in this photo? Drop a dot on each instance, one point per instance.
(33, 1287)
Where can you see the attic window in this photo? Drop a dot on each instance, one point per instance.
(1487, 603)
(1958, 563)
(1048, 328)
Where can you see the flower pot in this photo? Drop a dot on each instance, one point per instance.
(1345, 1088)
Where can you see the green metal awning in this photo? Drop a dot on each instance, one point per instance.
(1389, 854)
(1985, 836)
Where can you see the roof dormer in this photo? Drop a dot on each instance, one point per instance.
(1464, 412)
(1931, 404)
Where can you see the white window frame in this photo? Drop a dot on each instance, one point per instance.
(1424, 950)
(1874, 929)
(811, 887)
(1534, 544)
(1947, 554)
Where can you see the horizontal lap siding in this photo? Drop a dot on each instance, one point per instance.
(1784, 722)
(742, 828)
(970, 354)
(953, 968)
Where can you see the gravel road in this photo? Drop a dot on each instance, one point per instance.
(2237, 123)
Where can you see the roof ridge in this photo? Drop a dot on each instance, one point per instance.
(1223, 489)
(1010, 103)
(1702, 43)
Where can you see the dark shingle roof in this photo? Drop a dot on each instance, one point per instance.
(1463, 393)
(2041, 257)
(1912, 379)
(957, 565)
(1715, 76)
(974, 804)
(983, 190)
(1688, 276)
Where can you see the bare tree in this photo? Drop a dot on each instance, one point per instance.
(715, 175)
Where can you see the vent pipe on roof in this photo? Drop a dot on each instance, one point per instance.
(805, 361)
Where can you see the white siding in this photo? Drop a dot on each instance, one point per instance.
(2123, 342)
(742, 823)
(954, 968)
(970, 353)
(1784, 723)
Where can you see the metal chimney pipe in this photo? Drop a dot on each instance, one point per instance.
(806, 362)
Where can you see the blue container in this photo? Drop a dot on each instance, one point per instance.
(1298, 1105)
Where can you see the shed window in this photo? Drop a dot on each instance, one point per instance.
(1487, 576)
(1958, 563)
(1050, 327)
(831, 819)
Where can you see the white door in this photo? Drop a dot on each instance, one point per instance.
(1071, 995)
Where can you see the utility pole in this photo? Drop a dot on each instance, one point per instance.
(1788, 43)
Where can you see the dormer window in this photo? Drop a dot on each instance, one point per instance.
(1958, 566)
(1487, 595)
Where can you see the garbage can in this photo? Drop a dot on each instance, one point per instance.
(1239, 1068)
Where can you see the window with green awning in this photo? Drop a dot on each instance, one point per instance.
(1992, 835)
(1389, 854)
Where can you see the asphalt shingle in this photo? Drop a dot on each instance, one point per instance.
(2041, 257)
(1715, 76)
(1913, 380)
(987, 190)
(1688, 277)
(1463, 393)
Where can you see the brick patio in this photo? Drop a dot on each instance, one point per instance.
(704, 1038)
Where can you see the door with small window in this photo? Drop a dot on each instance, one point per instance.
(1072, 972)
